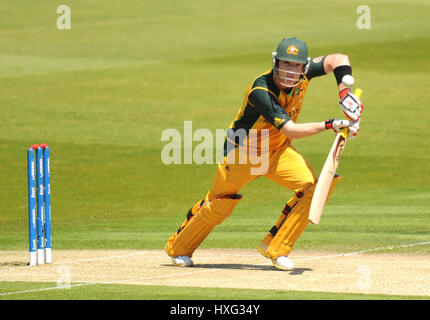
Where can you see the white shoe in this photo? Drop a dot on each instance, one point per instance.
(283, 263)
(182, 261)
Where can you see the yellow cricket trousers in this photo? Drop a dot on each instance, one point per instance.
(286, 167)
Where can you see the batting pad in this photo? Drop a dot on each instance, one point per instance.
(289, 207)
(296, 222)
(285, 212)
(201, 220)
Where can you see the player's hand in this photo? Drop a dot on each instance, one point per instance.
(353, 128)
(336, 124)
(350, 104)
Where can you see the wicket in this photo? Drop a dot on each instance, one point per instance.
(39, 222)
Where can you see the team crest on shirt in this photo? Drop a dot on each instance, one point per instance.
(297, 91)
(292, 50)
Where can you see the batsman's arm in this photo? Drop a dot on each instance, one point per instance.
(338, 64)
(332, 61)
(267, 104)
(302, 130)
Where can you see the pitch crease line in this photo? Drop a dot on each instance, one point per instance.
(364, 251)
(107, 282)
(82, 260)
(104, 258)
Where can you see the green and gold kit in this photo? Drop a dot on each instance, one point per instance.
(267, 107)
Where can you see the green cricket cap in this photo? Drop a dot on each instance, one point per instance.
(292, 49)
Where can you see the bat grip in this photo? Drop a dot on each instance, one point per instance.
(358, 93)
(344, 132)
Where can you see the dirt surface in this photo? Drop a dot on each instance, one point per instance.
(391, 274)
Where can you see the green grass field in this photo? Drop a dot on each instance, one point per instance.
(43, 291)
(101, 94)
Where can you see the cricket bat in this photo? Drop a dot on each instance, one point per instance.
(327, 173)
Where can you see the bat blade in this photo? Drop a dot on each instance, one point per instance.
(327, 173)
(326, 177)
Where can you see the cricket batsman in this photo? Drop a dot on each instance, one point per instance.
(272, 104)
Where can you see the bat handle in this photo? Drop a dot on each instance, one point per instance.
(344, 132)
(358, 93)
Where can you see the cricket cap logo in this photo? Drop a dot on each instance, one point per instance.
(292, 50)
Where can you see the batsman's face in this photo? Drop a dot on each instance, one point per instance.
(288, 74)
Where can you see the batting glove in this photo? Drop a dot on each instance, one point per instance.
(353, 129)
(336, 124)
(350, 104)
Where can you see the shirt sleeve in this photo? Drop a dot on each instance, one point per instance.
(316, 68)
(269, 107)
